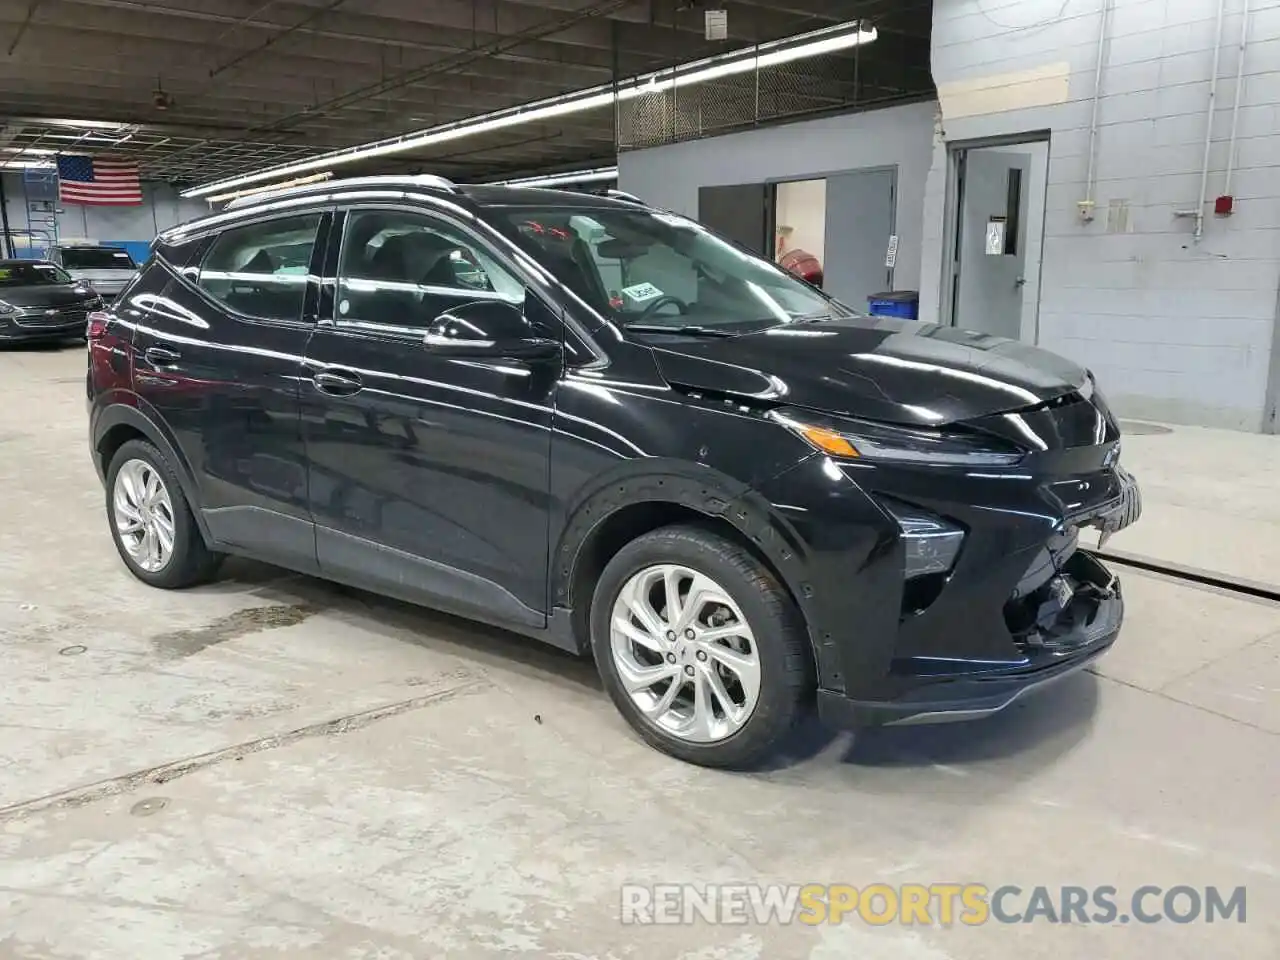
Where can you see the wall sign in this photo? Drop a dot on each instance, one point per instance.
(717, 24)
(891, 256)
(995, 236)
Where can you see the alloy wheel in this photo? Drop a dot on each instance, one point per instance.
(144, 515)
(685, 653)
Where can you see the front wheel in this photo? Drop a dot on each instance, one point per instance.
(700, 648)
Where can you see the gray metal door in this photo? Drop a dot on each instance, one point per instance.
(739, 212)
(860, 221)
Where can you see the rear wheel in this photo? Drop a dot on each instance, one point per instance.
(700, 647)
(151, 522)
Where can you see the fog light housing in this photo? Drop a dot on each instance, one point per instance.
(930, 543)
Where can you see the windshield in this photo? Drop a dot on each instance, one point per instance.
(647, 268)
(97, 258)
(32, 275)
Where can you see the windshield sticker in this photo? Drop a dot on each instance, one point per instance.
(641, 292)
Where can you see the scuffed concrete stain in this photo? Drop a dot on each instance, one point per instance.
(187, 643)
(746, 947)
(447, 687)
(850, 941)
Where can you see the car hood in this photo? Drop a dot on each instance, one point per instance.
(894, 371)
(45, 295)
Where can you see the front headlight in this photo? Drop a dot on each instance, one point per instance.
(6, 308)
(862, 439)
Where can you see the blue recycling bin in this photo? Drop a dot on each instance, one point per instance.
(904, 304)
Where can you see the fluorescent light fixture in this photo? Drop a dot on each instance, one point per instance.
(598, 175)
(270, 187)
(775, 53)
(26, 164)
(82, 124)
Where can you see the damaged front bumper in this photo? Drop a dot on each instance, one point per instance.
(1086, 622)
(1019, 606)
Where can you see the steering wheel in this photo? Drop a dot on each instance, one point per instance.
(662, 301)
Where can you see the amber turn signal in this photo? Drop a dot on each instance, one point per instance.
(828, 441)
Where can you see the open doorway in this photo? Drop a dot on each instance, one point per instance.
(995, 235)
(799, 234)
(837, 231)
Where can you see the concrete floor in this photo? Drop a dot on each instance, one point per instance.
(270, 767)
(1209, 501)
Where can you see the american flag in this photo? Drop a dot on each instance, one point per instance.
(97, 181)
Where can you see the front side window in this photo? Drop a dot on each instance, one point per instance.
(403, 269)
(636, 266)
(260, 270)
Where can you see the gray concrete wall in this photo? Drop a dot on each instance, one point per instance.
(1175, 329)
(161, 208)
(670, 176)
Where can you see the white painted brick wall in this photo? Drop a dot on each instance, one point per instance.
(1174, 329)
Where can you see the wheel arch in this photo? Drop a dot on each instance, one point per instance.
(117, 424)
(620, 509)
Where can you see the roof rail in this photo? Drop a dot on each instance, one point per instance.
(624, 196)
(421, 180)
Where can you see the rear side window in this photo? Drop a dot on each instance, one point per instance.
(180, 251)
(260, 270)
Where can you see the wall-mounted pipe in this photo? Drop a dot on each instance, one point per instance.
(1090, 181)
(1208, 122)
(1235, 107)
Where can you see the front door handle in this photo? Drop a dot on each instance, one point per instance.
(337, 382)
(161, 356)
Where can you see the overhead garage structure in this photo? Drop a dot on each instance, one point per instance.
(197, 90)
(273, 766)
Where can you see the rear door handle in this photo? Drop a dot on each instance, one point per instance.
(337, 382)
(161, 356)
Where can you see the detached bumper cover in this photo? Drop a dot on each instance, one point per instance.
(1085, 629)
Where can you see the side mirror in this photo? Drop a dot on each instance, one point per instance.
(488, 328)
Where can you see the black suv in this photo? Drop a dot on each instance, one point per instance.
(604, 427)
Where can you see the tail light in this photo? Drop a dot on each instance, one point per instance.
(96, 324)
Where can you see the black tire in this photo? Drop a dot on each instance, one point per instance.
(782, 644)
(191, 562)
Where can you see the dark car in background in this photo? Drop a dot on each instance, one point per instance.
(602, 426)
(40, 301)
